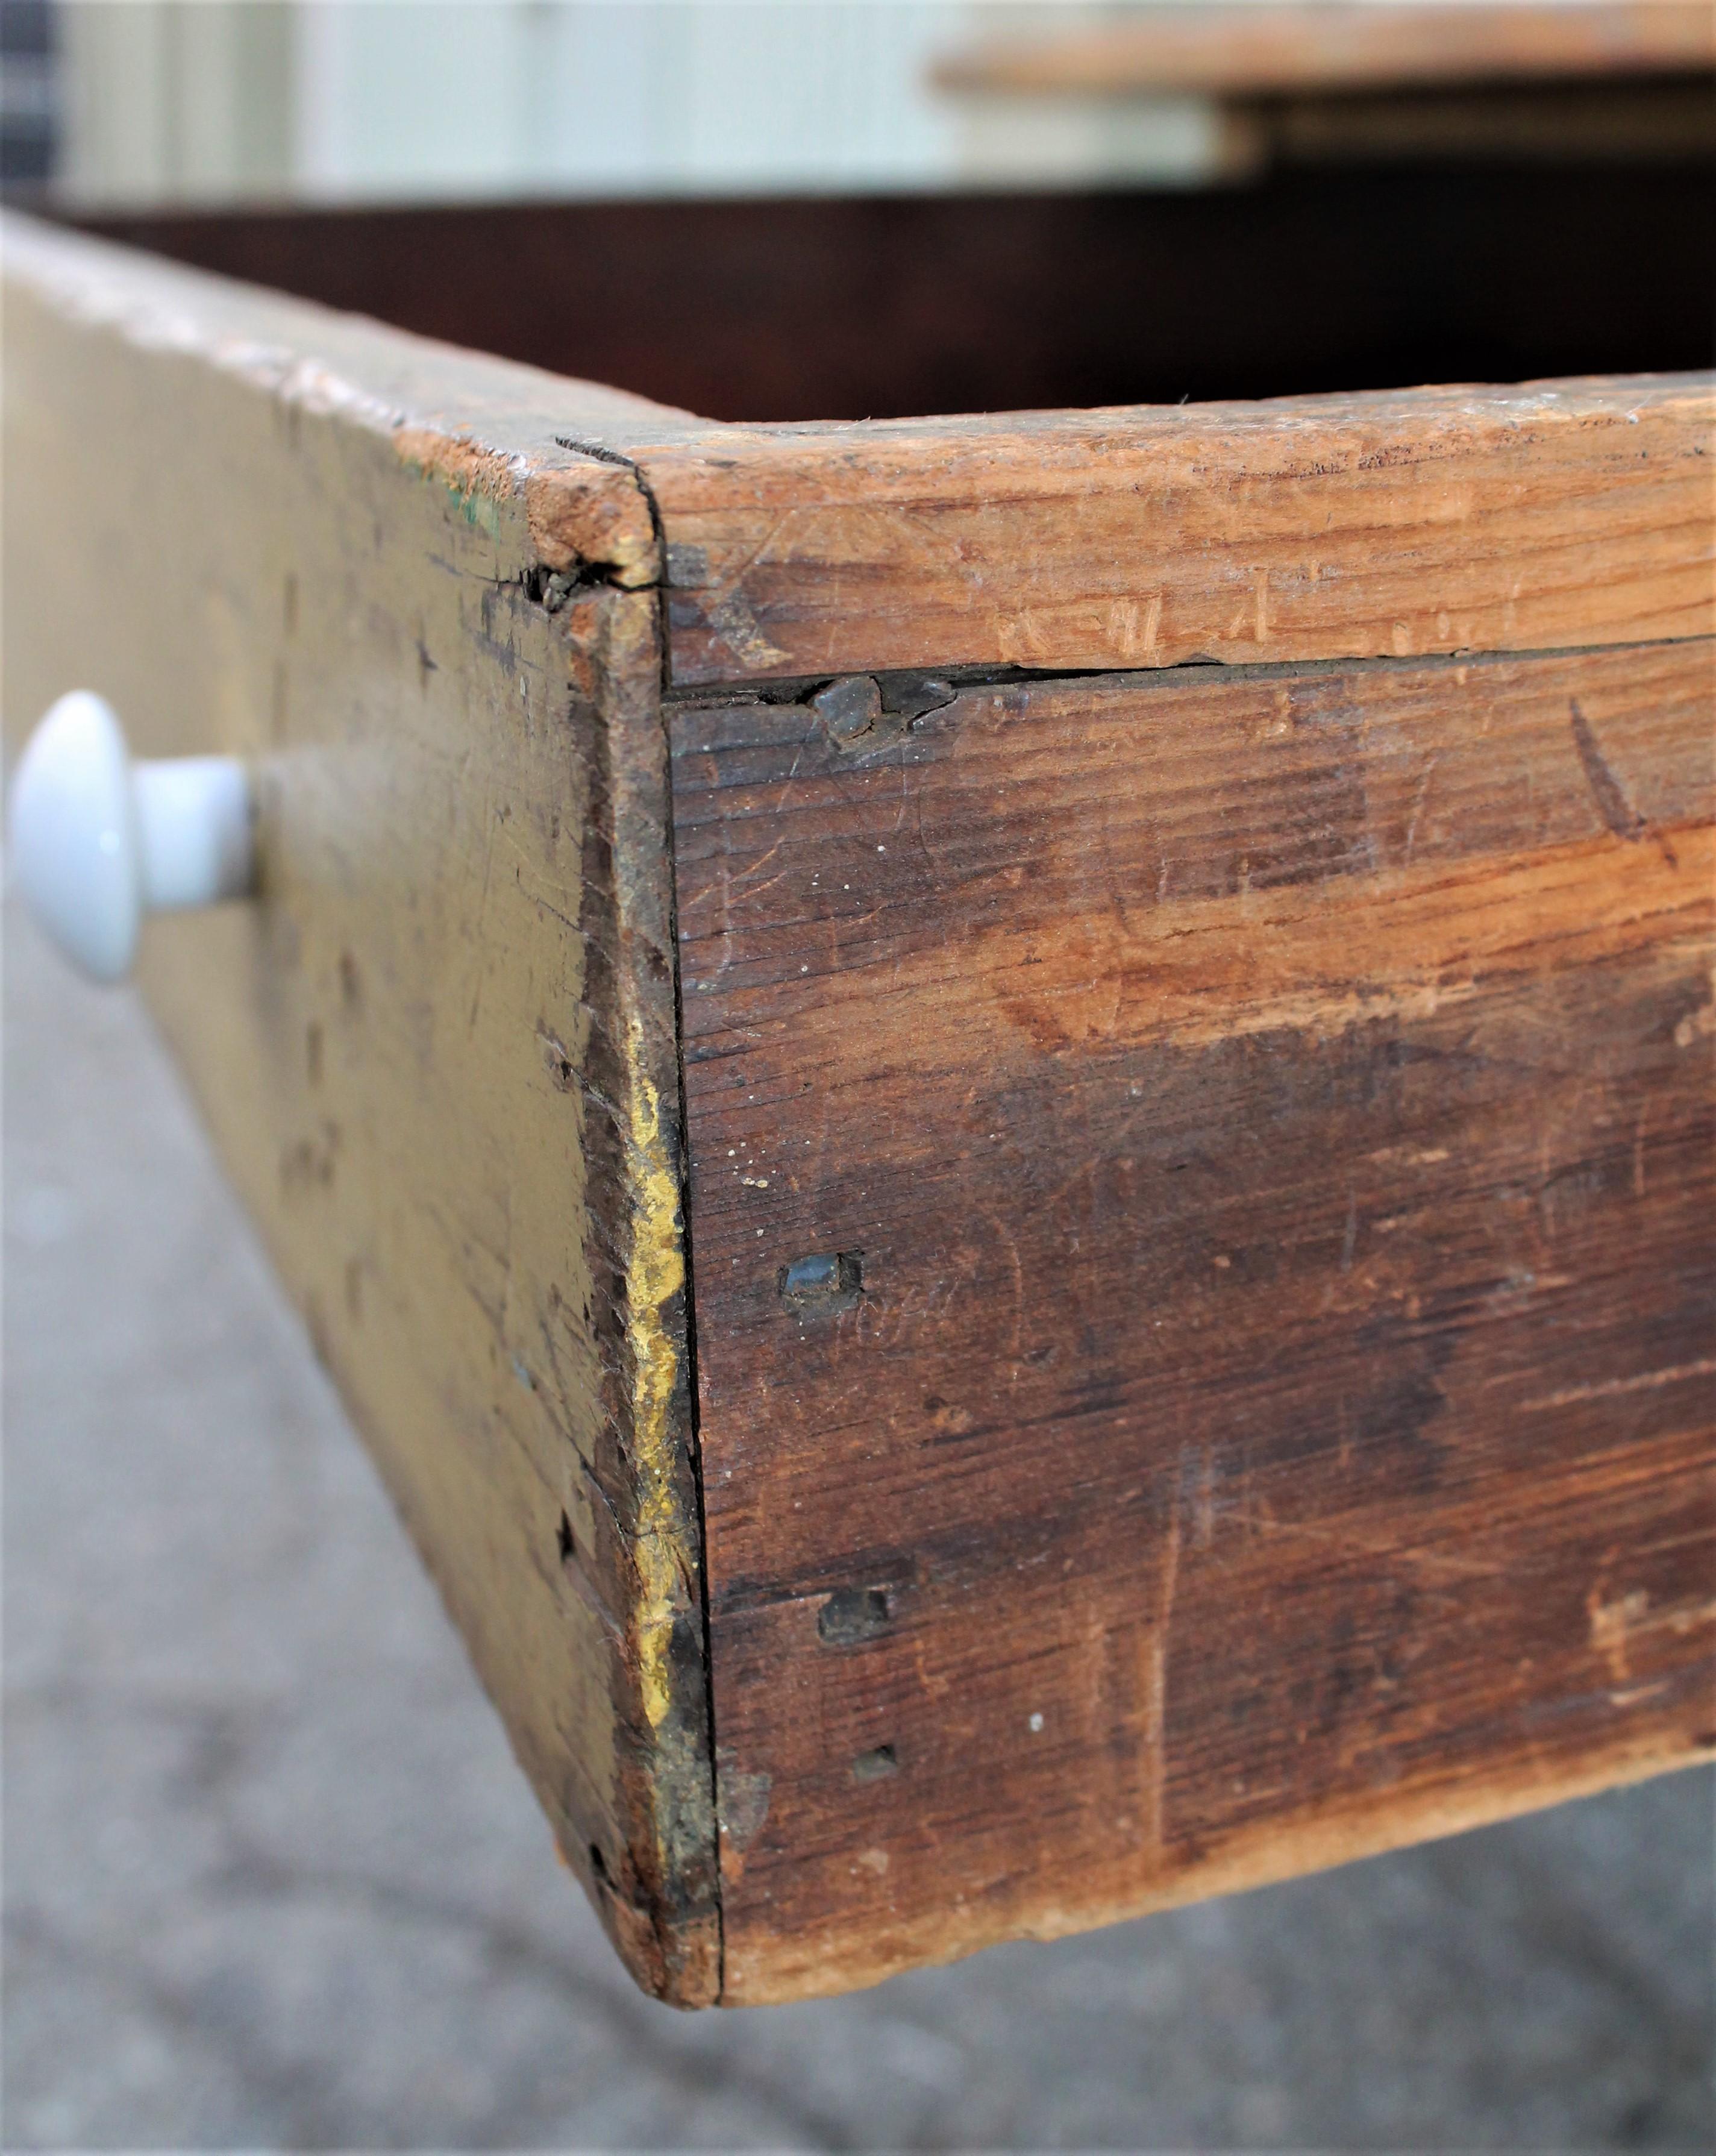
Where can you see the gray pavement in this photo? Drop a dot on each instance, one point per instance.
(272, 1880)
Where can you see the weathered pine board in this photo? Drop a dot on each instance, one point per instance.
(1229, 49)
(437, 1057)
(1256, 1406)
(1418, 521)
(1481, 85)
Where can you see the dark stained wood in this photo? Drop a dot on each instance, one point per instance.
(1423, 521)
(882, 308)
(1618, 121)
(1201, 1189)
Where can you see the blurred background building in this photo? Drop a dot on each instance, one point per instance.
(179, 101)
(163, 103)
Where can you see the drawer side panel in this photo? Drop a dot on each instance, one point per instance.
(1202, 1186)
(1539, 517)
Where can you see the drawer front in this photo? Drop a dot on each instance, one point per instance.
(438, 1056)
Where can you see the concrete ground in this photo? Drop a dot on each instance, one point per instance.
(272, 1880)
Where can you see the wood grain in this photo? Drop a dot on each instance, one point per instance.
(1199, 1177)
(1201, 1187)
(1414, 522)
(1630, 120)
(437, 1057)
(1240, 50)
(1402, 523)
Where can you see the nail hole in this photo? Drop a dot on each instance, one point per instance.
(849, 708)
(852, 1614)
(598, 1863)
(563, 1539)
(828, 1282)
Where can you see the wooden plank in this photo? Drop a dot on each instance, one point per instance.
(1651, 120)
(1229, 50)
(1419, 521)
(1414, 521)
(438, 1056)
(1200, 1190)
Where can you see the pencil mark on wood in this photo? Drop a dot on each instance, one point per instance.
(1616, 811)
(1609, 1388)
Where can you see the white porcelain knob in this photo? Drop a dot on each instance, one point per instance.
(96, 841)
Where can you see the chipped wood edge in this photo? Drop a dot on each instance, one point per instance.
(1142, 536)
(585, 520)
(666, 1914)
(1372, 1825)
(503, 436)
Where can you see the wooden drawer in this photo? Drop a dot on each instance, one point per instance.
(1002, 1125)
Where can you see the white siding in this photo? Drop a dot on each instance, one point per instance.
(416, 100)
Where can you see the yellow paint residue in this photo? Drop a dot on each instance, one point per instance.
(655, 1272)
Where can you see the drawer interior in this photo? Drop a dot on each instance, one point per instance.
(887, 305)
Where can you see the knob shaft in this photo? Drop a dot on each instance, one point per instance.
(97, 841)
